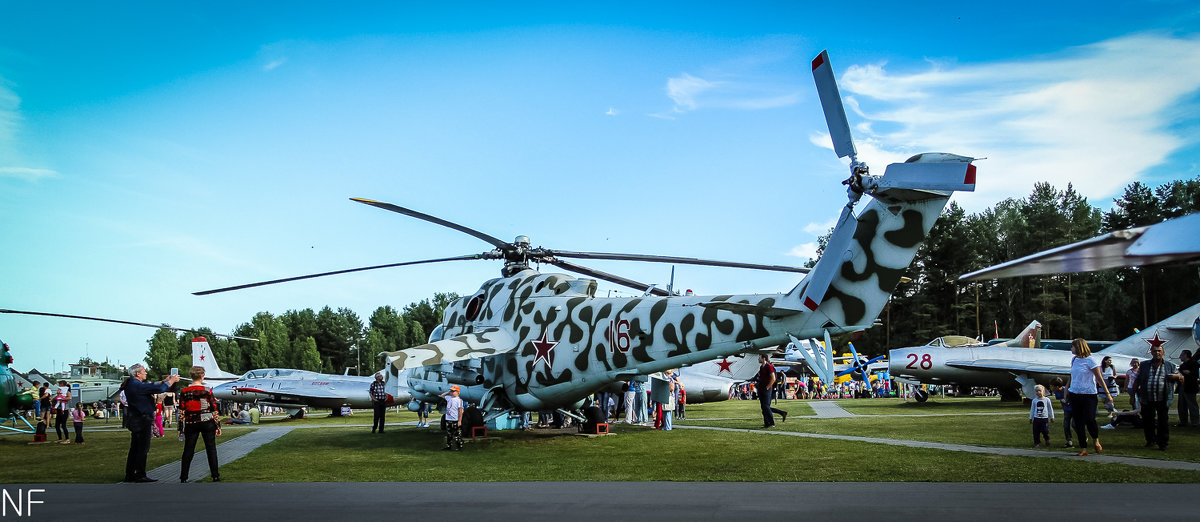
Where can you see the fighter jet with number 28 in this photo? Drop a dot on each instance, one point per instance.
(532, 341)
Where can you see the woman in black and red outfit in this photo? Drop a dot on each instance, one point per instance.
(200, 417)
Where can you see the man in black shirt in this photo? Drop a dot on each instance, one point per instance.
(766, 391)
(1189, 368)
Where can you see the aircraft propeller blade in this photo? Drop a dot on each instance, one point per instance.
(335, 272)
(148, 325)
(567, 265)
(831, 104)
(673, 259)
(503, 245)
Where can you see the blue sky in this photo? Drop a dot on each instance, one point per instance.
(150, 150)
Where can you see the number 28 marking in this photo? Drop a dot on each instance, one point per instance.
(926, 361)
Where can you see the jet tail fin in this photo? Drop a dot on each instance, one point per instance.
(1175, 334)
(1030, 337)
(202, 356)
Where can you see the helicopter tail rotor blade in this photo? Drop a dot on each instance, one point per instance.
(567, 265)
(675, 260)
(831, 104)
(426, 217)
(336, 272)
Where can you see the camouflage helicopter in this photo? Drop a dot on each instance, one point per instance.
(531, 341)
(12, 401)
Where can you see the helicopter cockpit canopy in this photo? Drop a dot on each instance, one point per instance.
(267, 373)
(953, 341)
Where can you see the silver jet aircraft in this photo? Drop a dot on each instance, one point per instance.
(290, 389)
(1171, 241)
(1008, 367)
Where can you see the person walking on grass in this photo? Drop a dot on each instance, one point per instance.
(200, 418)
(1060, 393)
(453, 420)
(77, 416)
(766, 389)
(1155, 388)
(1041, 414)
(378, 402)
(1086, 382)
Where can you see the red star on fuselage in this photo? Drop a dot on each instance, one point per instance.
(725, 364)
(544, 350)
(1155, 342)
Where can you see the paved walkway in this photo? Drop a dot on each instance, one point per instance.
(237, 448)
(226, 452)
(587, 501)
(829, 410)
(991, 450)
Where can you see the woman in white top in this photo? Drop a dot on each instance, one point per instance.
(1085, 375)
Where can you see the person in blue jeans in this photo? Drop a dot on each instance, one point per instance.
(766, 392)
(1060, 394)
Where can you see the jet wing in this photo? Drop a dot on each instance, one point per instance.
(492, 341)
(1009, 365)
(1174, 240)
(285, 395)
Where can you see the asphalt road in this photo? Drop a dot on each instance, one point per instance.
(582, 501)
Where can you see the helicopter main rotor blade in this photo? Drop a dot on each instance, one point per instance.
(673, 259)
(148, 325)
(336, 272)
(420, 215)
(567, 265)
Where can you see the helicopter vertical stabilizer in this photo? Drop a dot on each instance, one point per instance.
(866, 255)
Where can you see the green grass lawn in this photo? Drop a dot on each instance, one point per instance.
(322, 418)
(641, 454)
(738, 408)
(1003, 429)
(935, 405)
(100, 459)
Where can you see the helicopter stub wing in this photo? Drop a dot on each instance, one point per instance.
(492, 341)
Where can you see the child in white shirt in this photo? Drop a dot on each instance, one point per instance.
(1041, 414)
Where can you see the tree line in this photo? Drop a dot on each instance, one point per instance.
(1102, 305)
(326, 341)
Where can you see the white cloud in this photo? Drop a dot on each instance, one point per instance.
(10, 123)
(691, 93)
(805, 251)
(1097, 116)
(271, 65)
(817, 229)
(26, 173)
(684, 90)
(610, 112)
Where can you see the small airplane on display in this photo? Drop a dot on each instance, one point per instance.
(1172, 241)
(824, 365)
(529, 341)
(713, 380)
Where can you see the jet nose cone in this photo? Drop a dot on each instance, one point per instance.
(896, 360)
